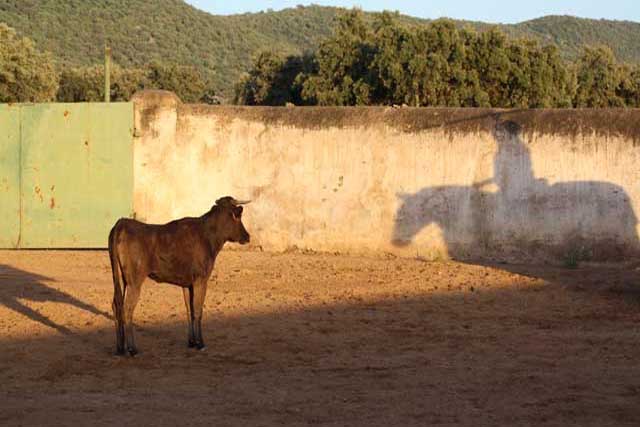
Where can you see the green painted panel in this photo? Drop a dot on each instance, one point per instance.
(77, 173)
(9, 175)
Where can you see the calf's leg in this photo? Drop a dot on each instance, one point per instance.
(118, 300)
(188, 302)
(117, 315)
(131, 297)
(199, 293)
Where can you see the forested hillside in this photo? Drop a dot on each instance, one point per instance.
(221, 48)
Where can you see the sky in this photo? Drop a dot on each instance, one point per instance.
(494, 11)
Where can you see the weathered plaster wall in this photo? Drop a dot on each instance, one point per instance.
(459, 183)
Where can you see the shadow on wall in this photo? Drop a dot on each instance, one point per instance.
(22, 285)
(526, 219)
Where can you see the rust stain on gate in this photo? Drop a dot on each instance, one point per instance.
(66, 173)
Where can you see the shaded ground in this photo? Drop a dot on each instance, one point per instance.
(324, 340)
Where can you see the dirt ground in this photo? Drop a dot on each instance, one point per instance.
(296, 339)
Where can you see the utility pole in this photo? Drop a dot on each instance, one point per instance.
(107, 74)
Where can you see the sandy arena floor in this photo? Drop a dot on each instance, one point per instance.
(324, 340)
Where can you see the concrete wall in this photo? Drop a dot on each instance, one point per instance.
(437, 183)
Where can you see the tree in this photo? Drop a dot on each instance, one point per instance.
(344, 74)
(560, 89)
(629, 88)
(185, 81)
(425, 66)
(384, 63)
(87, 84)
(274, 80)
(598, 79)
(389, 63)
(436, 61)
(26, 75)
(488, 56)
(537, 77)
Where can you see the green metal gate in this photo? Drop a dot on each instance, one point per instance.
(9, 176)
(68, 170)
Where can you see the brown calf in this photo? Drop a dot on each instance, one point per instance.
(181, 252)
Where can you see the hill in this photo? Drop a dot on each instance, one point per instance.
(172, 31)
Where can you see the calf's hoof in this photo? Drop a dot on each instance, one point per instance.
(191, 344)
(200, 346)
(132, 351)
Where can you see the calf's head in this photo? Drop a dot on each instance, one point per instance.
(229, 223)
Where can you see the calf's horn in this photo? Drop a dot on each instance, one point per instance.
(240, 202)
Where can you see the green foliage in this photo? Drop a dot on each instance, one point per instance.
(222, 47)
(572, 34)
(26, 75)
(537, 77)
(385, 63)
(87, 84)
(598, 79)
(389, 64)
(140, 32)
(435, 69)
(359, 58)
(488, 56)
(629, 88)
(343, 75)
(185, 81)
(273, 80)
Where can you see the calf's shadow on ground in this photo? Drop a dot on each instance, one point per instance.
(486, 357)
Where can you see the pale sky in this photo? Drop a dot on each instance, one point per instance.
(503, 11)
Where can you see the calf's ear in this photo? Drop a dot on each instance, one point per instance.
(237, 211)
